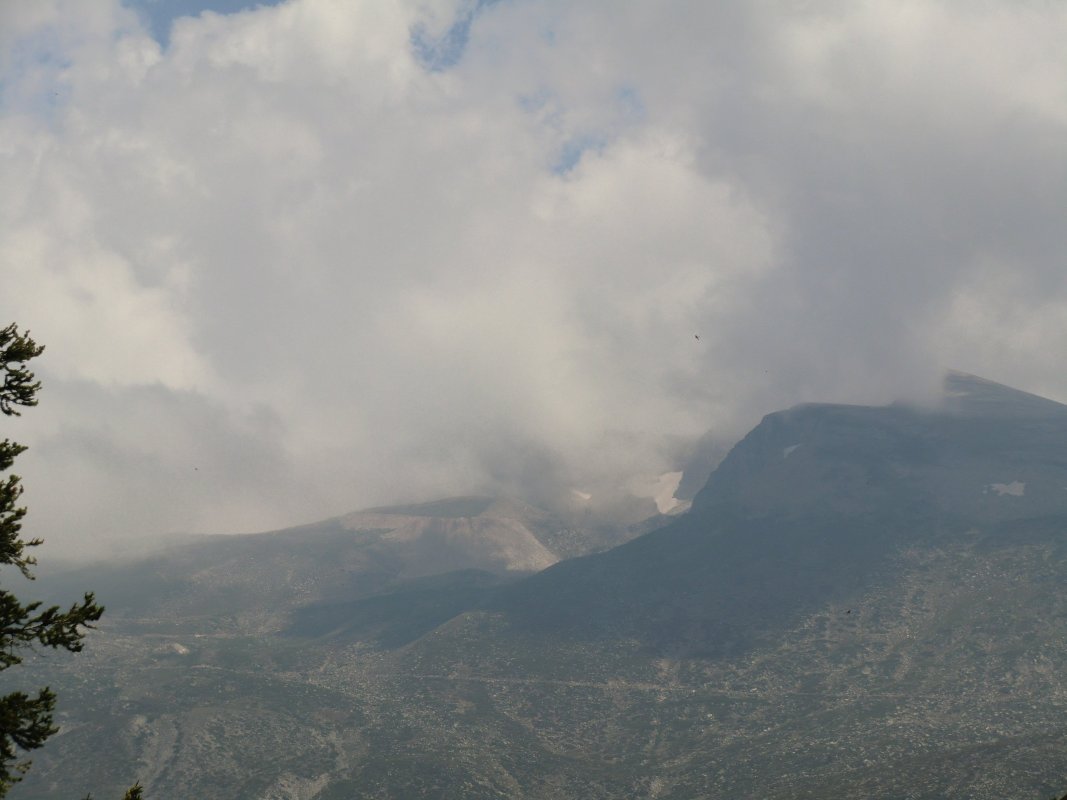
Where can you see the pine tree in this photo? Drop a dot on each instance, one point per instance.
(133, 793)
(26, 721)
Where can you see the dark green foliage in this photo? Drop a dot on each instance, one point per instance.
(133, 793)
(26, 721)
(18, 388)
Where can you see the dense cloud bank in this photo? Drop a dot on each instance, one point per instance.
(324, 255)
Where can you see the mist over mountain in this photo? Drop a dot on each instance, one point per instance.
(862, 601)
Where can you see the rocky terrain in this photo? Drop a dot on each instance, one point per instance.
(862, 602)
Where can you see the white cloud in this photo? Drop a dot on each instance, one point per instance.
(286, 252)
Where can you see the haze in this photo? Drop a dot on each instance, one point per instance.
(318, 256)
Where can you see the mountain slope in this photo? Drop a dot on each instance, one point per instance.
(862, 602)
(254, 581)
(809, 508)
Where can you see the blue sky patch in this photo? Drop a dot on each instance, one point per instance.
(572, 151)
(445, 51)
(159, 14)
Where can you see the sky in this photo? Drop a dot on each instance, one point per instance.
(295, 259)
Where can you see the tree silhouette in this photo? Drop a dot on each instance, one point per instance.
(25, 720)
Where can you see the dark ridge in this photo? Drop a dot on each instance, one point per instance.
(975, 396)
(400, 616)
(452, 507)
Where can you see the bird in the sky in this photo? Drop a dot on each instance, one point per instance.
(696, 336)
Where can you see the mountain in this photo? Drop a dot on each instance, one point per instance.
(810, 507)
(253, 582)
(861, 602)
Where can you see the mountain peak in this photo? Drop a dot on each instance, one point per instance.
(972, 395)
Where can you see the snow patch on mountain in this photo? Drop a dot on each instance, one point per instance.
(1014, 489)
(664, 497)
